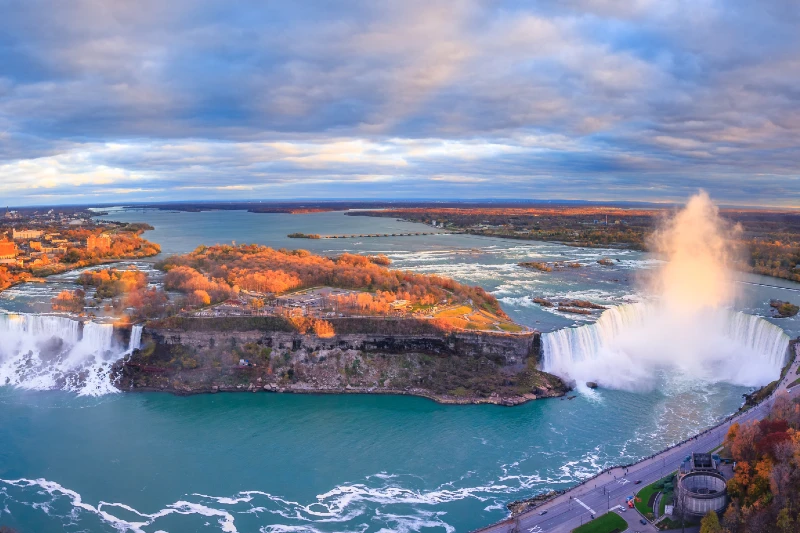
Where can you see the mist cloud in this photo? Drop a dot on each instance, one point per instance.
(686, 328)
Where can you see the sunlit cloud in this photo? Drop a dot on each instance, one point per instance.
(581, 99)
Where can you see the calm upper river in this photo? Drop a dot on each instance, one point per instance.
(267, 462)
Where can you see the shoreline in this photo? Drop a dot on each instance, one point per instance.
(458, 231)
(365, 357)
(504, 401)
(525, 508)
(572, 244)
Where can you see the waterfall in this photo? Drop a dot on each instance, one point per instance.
(136, 338)
(629, 343)
(97, 338)
(51, 352)
(40, 326)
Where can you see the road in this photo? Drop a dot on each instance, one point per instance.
(609, 490)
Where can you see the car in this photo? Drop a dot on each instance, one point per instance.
(622, 509)
(643, 521)
(637, 482)
(543, 512)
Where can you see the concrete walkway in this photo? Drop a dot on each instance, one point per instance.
(609, 489)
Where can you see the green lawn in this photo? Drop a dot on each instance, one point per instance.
(645, 494)
(643, 497)
(795, 382)
(608, 523)
(668, 524)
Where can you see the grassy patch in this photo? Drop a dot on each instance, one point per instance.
(465, 317)
(455, 322)
(608, 523)
(643, 500)
(644, 497)
(456, 312)
(795, 382)
(669, 524)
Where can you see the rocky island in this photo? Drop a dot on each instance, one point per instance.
(364, 355)
(251, 318)
(781, 309)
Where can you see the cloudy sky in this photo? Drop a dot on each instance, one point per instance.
(113, 100)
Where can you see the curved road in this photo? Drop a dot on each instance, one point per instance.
(609, 490)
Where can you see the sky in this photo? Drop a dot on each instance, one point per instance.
(118, 101)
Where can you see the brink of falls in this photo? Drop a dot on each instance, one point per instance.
(52, 352)
(628, 344)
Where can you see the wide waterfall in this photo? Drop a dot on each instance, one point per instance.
(629, 343)
(51, 352)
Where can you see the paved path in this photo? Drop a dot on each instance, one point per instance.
(575, 507)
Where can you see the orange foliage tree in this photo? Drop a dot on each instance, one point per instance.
(222, 269)
(70, 301)
(765, 488)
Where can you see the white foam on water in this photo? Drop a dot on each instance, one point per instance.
(629, 344)
(344, 504)
(56, 491)
(44, 352)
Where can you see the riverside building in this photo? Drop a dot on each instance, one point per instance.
(701, 487)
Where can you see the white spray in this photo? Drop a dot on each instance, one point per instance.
(687, 328)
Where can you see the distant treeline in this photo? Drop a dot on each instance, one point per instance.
(769, 239)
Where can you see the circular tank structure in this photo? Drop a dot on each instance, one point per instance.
(701, 492)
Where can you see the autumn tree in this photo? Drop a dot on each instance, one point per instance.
(199, 298)
(69, 301)
(147, 303)
(111, 283)
(765, 487)
(261, 270)
(710, 523)
(743, 445)
(785, 522)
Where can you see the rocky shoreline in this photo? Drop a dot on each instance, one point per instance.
(421, 393)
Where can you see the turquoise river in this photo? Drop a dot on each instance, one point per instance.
(150, 462)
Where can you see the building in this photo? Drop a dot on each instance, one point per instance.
(26, 234)
(100, 243)
(700, 462)
(701, 487)
(8, 250)
(57, 250)
(36, 245)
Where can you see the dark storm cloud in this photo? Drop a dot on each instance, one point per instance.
(577, 99)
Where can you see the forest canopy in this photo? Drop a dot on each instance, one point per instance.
(223, 270)
(765, 489)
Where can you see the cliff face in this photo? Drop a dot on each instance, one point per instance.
(505, 349)
(458, 367)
